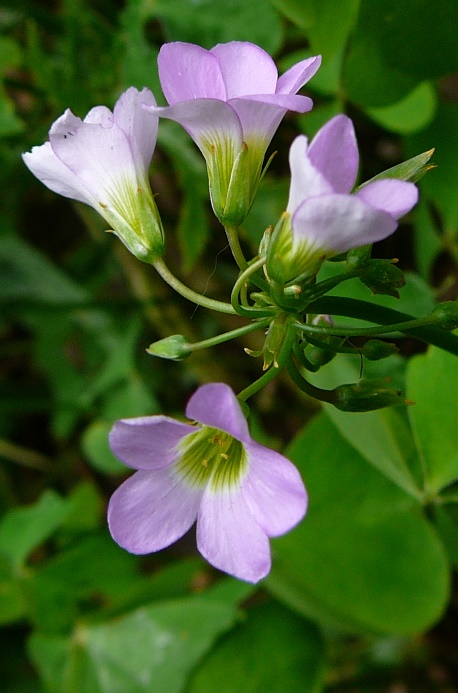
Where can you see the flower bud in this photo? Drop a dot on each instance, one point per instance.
(367, 395)
(376, 349)
(446, 315)
(175, 348)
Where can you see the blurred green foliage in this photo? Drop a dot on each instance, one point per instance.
(370, 567)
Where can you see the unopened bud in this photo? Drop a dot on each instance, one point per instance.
(446, 315)
(175, 348)
(367, 395)
(376, 349)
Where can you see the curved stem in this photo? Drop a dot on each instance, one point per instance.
(232, 234)
(232, 334)
(305, 386)
(365, 310)
(243, 279)
(188, 293)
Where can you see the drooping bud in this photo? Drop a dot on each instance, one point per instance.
(367, 395)
(446, 315)
(376, 349)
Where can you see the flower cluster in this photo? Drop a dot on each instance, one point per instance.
(231, 100)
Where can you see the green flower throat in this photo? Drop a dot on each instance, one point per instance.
(211, 456)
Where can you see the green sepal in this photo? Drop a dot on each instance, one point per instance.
(358, 257)
(411, 170)
(138, 224)
(240, 191)
(383, 277)
(176, 348)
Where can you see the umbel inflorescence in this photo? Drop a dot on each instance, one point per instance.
(230, 100)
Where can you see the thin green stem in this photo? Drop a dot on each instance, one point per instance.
(242, 281)
(305, 386)
(365, 331)
(326, 285)
(259, 383)
(232, 334)
(188, 293)
(232, 234)
(365, 310)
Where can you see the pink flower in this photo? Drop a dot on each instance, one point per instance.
(241, 493)
(103, 161)
(231, 101)
(323, 218)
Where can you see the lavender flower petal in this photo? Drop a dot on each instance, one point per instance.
(44, 164)
(246, 69)
(337, 223)
(396, 197)
(147, 442)
(229, 537)
(151, 510)
(187, 71)
(306, 180)
(334, 152)
(293, 79)
(215, 405)
(273, 490)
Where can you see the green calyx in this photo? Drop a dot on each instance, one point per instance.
(212, 456)
(135, 219)
(290, 260)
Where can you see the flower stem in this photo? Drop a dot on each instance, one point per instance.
(232, 334)
(243, 279)
(305, 386)
(188, 293)
(259, 383)
(366, 331)
(232, 234)
(365, 310)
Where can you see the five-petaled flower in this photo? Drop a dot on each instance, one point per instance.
(240, 492)
(231, 101)
(103, 161)
(322, 217)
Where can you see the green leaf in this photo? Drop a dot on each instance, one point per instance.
(326, 23)
(440, 185)
(414, 112)
(139, 60)
(432, 383)
(200, 21)
(27, 275)
(272, 650)
(396, 45)
(381, 437)
(427, 242)
(12, 602)
(152, 648)
(364, 558)
(446, 521)
(96, 448)
(84, 509)
(410, 170)
(24, 529)
(193, 226)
